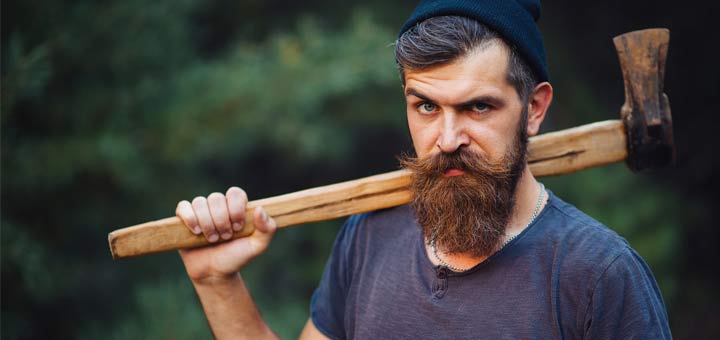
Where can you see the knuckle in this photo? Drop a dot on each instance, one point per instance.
(215, 197)
(236, 192)
(182, 213)
(183, 205)
(198, 201)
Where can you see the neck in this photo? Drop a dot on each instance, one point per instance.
(526, 198)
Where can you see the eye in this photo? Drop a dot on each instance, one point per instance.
(427, 107)
(480, 107)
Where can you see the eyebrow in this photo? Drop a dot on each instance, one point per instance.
(488, 99)
(412, 91)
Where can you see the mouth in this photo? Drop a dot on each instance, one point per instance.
(454, 172)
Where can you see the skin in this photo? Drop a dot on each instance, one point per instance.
(467, 103)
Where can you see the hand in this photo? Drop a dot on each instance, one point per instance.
(216, 217)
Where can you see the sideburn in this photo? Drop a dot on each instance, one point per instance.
(467, 214)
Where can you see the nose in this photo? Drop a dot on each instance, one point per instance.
(452, 134)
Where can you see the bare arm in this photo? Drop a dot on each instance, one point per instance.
(231, 311)
(214, 270)
(310, 332)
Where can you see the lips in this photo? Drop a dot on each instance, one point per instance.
(454, 172)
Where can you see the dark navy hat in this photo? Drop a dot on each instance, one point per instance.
(514, 20)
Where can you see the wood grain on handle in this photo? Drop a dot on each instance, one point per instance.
(553, 153)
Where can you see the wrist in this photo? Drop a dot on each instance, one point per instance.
(229, 308)
(217, 280)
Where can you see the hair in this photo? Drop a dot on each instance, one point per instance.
(443, 39)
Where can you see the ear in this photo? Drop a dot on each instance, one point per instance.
(538, 104)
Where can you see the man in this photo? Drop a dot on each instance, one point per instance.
(484, 251)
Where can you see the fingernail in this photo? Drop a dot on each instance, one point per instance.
(264, 215)
(213, 238)
(237, 226)
(197, 229)
(226, 236)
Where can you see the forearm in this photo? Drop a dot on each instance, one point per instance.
(230, 309)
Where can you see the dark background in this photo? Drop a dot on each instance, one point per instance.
(113, 111)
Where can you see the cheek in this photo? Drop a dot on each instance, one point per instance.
(422, 135)
(490, 140)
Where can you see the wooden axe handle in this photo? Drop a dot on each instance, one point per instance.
(552, 153)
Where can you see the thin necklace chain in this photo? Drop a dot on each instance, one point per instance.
(532, 219)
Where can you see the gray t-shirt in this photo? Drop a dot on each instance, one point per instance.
(566, 276)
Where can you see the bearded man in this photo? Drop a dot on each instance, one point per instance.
(484, 250)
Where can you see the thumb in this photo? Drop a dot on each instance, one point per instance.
(265, 226)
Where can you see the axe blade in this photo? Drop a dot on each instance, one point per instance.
(646, 112)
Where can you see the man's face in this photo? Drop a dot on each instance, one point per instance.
(468, 103)
(465, 121)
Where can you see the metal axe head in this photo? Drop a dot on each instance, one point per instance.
(646, 112)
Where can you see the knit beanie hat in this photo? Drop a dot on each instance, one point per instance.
(514, 20)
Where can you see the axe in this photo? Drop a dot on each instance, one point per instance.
(642, 137)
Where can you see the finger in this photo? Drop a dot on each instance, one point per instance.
(263, 222)
(202, 212)
(236, 203)
(264, 230)
(219, 214)
(185, 211)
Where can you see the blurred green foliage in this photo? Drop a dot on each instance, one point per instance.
(114, 111)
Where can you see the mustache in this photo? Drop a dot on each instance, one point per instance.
(467, 213)
(472, 163)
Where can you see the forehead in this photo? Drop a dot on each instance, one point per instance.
(481, 71)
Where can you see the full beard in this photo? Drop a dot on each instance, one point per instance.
(469, 213)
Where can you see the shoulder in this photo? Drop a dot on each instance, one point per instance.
(597, 273)
(581, 236)
(580, 248)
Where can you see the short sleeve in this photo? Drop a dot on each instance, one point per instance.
(626, 302)
(327, 307)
